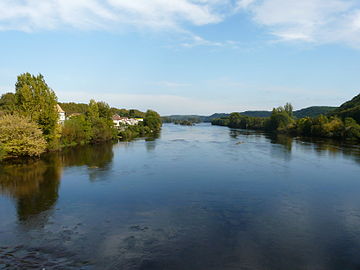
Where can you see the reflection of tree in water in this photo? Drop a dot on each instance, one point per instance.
(235, 133)
(284, 140)
(34, 185)
(93, 156)
(150, 142)
(333, 147)
(97, 158)
(286, 143)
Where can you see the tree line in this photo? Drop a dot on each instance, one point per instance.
(282, 120)
(29, 121)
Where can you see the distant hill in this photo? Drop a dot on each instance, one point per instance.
(257, 113)
(310, 112)
(349, 109)
(314, 111)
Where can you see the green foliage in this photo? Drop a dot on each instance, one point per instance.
(280, 119)
(184, 122)
(92, 114)
(7, 102)
(35, 100)
(2, 152)
(99, 118)
(153, 121)
(20, 137)
(127, 113)
(349, 109)
(72, 107)
(131, 132)
(76, 131)
(314, 111)
(149, 127)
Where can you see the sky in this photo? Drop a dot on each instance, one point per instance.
(185, 56)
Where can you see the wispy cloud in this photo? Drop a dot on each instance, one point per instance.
(169, 84)
(32, 15)
(195, 40)
(317, 21)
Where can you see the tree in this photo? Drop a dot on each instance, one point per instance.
(99, 118)
(104, 110)
(289, 109)
(7, 102)
(37, 101)
(76, 131)
(152, 120)
(20, 137)
(93, 111)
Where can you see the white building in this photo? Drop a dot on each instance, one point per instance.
(61, 112)
(119, 121)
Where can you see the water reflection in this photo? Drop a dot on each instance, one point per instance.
(195, 199)
(320, 146)
(34, 185)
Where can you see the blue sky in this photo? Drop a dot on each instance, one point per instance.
(185, 56)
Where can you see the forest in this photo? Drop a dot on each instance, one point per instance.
(341, 123)
(30, 124)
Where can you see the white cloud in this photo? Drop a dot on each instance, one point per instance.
(30, 15)
(318, 21)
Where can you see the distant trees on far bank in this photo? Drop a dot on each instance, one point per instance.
(282, 120)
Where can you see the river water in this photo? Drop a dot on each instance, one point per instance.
(201, 197)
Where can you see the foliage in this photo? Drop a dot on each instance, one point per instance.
(7, 102)
(282, 121)
(314, 111)
(184, 122)
(280, 118)
(153, 121)
(132, 113)
(131, 132)
(149, 127)
(34, 127)
(72, 107)
(349, 109)
(76, 130)
(20, 137)
(35, 100)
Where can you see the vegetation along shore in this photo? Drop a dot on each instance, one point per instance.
(340, 123)
(33, 122)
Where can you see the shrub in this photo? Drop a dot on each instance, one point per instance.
(76, 131)
(20, 137)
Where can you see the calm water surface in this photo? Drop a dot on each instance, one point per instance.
(201, 197)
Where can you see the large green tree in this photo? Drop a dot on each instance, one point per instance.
(36, 100)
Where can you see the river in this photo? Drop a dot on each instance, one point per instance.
(201, 197)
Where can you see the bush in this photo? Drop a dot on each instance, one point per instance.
(76, 131)
(20, 137)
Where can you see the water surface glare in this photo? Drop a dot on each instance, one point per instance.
(201, 197)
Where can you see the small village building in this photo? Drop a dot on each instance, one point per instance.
(61, 112)
(121, 121)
